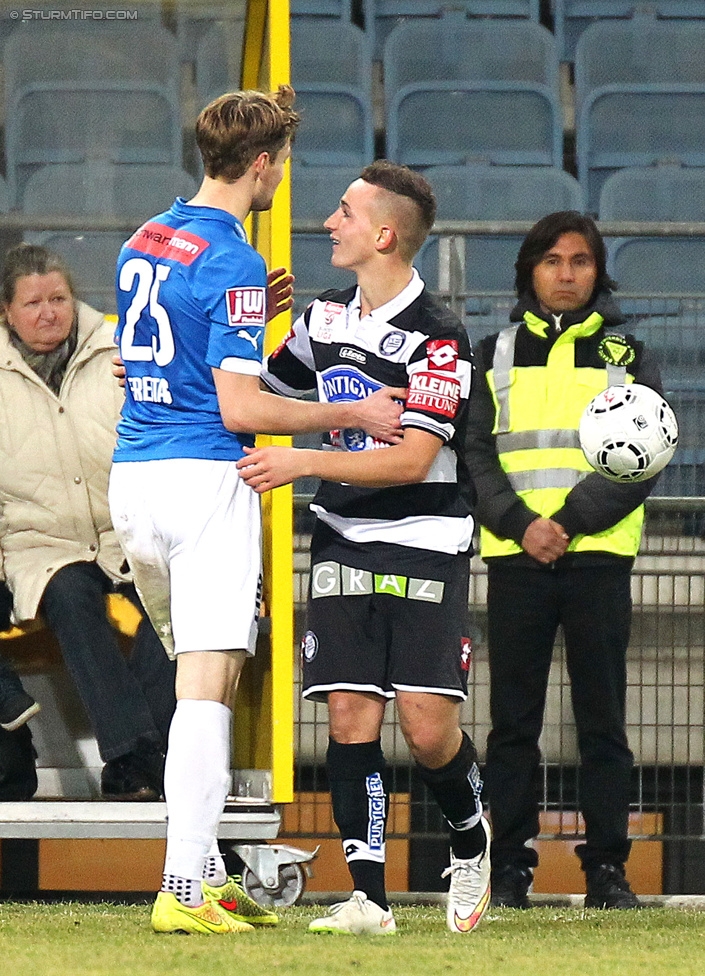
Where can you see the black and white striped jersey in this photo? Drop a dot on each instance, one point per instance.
(415, 342)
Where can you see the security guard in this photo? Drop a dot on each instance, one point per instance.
(559, 541)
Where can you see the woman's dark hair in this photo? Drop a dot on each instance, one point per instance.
(31, 259)
(542, 237)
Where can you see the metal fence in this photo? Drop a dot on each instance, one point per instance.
(665, 710)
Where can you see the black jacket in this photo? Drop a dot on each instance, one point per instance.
(593, 505)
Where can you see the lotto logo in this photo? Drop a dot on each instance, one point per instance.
(442, 353)
(246, 306)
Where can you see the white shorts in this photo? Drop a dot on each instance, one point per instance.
(190, 529)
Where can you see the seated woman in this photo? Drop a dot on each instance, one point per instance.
(59, 405)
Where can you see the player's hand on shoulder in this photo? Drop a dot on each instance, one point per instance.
(280, 292)
(119, 370)
(265, 468)
(379, 414)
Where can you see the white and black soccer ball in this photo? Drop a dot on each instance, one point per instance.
(628, 433)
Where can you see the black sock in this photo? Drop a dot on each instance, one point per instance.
(356, 776)
(456, 788)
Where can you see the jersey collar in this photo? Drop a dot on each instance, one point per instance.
(386, 312)
(183, 209)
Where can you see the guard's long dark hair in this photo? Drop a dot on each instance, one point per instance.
(544, 234)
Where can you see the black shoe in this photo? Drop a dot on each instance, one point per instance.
(510, 885)
(16, 709)
(150, 760)
(608, 888)
(132, 777)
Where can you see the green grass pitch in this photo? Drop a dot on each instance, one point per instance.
(73, 939)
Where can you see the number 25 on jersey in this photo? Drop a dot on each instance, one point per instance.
(149, 280)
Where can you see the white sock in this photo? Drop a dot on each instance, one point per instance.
(196, 783)
(214, 869)
(187, 891)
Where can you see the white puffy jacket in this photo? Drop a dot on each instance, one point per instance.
(55, 456)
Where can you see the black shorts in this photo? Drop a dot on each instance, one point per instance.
(384, 618)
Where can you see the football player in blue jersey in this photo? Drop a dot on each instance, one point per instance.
(388, 600)
(192, 303)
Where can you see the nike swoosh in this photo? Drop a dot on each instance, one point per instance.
(211, 919)
(229, 906)
(469, 923)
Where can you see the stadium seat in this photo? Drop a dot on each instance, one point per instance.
(457, 90)
(331, 70)
(76, 93)
(134, 192)
(661, 265)
(668, 272)
(388, 14)
(321, 8)
(316, 190)
(315, 193)
(572, 17)
(218, 60)
(4, 197)
(678, 341)
(640, 97)
(668, 191)
(482, 192)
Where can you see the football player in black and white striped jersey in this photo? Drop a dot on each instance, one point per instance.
(387, 614)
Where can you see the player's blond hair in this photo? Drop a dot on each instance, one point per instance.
(234, 129)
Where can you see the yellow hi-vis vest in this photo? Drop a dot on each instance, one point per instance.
(537, 414)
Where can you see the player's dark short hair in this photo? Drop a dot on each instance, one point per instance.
(542, 237)
(234, 129)
(31, 259)
(406, 182)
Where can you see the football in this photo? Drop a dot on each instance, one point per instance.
(628, 433)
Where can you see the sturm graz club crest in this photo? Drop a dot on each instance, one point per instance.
(392, 343)
(309, 646)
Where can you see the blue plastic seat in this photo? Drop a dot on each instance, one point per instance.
(672, 327)
(648, 265)
(481, 192)
(572, 17)
(640, 97)
(135, 192)
(321, 8)
(5, 202)
(678, 341)
(331, 70)
(316, 190)
(218, 60)
(76, 93)
(665, 192)
(315, 194)
(388, 14)
(458, 90)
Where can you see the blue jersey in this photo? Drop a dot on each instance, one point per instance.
(191, 295)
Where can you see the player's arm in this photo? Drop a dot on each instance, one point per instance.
(498, 506)
(247, 409)
(406, 463)
(596, 504)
